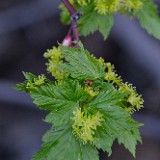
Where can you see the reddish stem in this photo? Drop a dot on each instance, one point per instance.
(75, 15)
(69, 6)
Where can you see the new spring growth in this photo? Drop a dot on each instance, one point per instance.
(83, 2)
(84, 125)
(67, 41)
(134, 99)
(90, 91)
(112, 6)
(111, 75)
(54, 57)
(37, 82)
(104, 7)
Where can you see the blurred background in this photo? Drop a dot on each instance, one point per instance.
(27, 29)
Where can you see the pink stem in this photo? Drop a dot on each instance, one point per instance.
(74, 17)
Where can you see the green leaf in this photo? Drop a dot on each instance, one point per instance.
(120, 125)
(70, 90)
(108, 98)
(91, 21)
(59, 144)
(21, 87)
(129, 139)
(61, 100)
(149, 19)
(118, 122)
(29, 76)
(104, 140)
(81, 65)
(59, 118)
(54, 97)
(88, 152)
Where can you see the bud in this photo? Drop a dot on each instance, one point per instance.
(67, 41)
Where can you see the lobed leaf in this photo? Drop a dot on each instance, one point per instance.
(23, 86)
(129, 139)
(104, 140)
(61, 100)
(118, 122)
(149, 19)
(81, 65)
(59, 143)
(108, 98)
(91, 21)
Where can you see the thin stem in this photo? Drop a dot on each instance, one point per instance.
(75, 15)
(69, 6)
(74, 28)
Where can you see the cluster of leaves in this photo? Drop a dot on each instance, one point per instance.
(88, 107)
(98, 15)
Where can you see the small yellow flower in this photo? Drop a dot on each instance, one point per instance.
(111, 75)
(30, 85)
(90, 91)
(104, 7)
(134, 98)
(54, 53)
(132, 4)
(54, 61)
(37, 82)
(84, 125)
(101, 60)
(40, 81)
(83, 2)
(101, 7)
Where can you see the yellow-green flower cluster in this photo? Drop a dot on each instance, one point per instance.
(37, 82)
(111, 75)
(132, 4)
(112, 6)
(107, 6)
(90, 91)
(83, 2)
(54, 57)
(104, 7)
(84, 125)
(135, 100)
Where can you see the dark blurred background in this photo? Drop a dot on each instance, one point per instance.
(27, 29)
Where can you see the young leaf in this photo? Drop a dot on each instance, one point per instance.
(118, 125)
(60, 117)
(81, 65)
(118, 122)
(55, 97)
(29, 76)
(70, 90)
(129, 139)
(104, 140)
(59, 143)
(91, 21)
(108, 98)
(61, 100)
(149, 19)
(21, 86)
(32, 82)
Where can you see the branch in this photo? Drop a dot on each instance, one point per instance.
(75, 15)
(69, 6)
